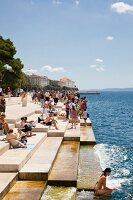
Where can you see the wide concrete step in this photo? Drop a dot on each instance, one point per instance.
(59, 193)
(4, 146)
(26, 190)
(38, 167)
(14, 159)
(62, 126)
(7, 180)
(89, 168)
(40, 128)
(15, 112)
(11, 126)
(88, 121)
(87, 136)
(33, 117)
(72, 134)
(64, 171)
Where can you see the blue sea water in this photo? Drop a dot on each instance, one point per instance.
(112, 117)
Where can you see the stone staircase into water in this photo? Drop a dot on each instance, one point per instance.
(53, 157)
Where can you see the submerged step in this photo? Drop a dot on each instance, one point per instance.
(89, 168)
(7, 180)
(72, 134)
(59, 193)
(38, 167)
(14, 159)
(26, 190)
(64, 171)
(87, 136)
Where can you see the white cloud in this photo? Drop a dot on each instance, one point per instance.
(53, 69)
(100, 69)
(57, 2)
(77, 2)
(31, 71)
(99, 60)
(109, 38)
(93, 66)
(121, 7)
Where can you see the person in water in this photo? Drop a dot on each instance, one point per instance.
(100, 187)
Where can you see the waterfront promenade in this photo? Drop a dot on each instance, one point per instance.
(63, 157)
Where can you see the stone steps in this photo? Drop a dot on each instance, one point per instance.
(82, 122)
(7, 180)
(39, 166)
(33, 117)
(87, 136)
(26, 190)
(62, 126)
(4, 146)
(40, 128)
(64, 170)
(72, 134)
(14, 159)
(89, 168)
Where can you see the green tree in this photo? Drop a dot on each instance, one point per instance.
(10, 67)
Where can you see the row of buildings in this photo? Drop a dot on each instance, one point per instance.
(43, 81)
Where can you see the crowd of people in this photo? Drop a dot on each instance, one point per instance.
(75, 109)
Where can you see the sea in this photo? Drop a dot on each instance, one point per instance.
(111, 114)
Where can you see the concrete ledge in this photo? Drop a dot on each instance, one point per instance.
(4, 146)
(14, 159)
(72, 134)
(82, 123)
(87, 136)
(89, 168)
(62, 125)
(39, 166)
(40, 128)
(7, 180)
(26, 190)
(33, 117)
(64, 171)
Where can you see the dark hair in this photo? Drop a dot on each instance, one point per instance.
(10, 131)
(106, 170)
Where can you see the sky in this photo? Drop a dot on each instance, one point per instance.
(89, 41)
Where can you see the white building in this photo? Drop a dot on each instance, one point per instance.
(67, 82)
(41, 81)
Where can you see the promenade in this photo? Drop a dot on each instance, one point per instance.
(63, 157)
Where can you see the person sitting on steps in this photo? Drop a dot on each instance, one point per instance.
(48, 121)
(13, 140)
(100, 187)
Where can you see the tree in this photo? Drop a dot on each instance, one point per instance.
(10, 67)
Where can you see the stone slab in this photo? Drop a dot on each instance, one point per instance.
(38, 167)
(89, 168)
(64, 171)
(7, 180)
(33, 117)
(14, 159)
(82, 122)
(26, 190)
(62, 126)
(87, 136)
(15, 112)
(40, 128)
(72, 134)
(4, 146)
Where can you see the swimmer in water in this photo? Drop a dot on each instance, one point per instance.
(100, 187)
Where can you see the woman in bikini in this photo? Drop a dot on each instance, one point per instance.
(100, 187)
